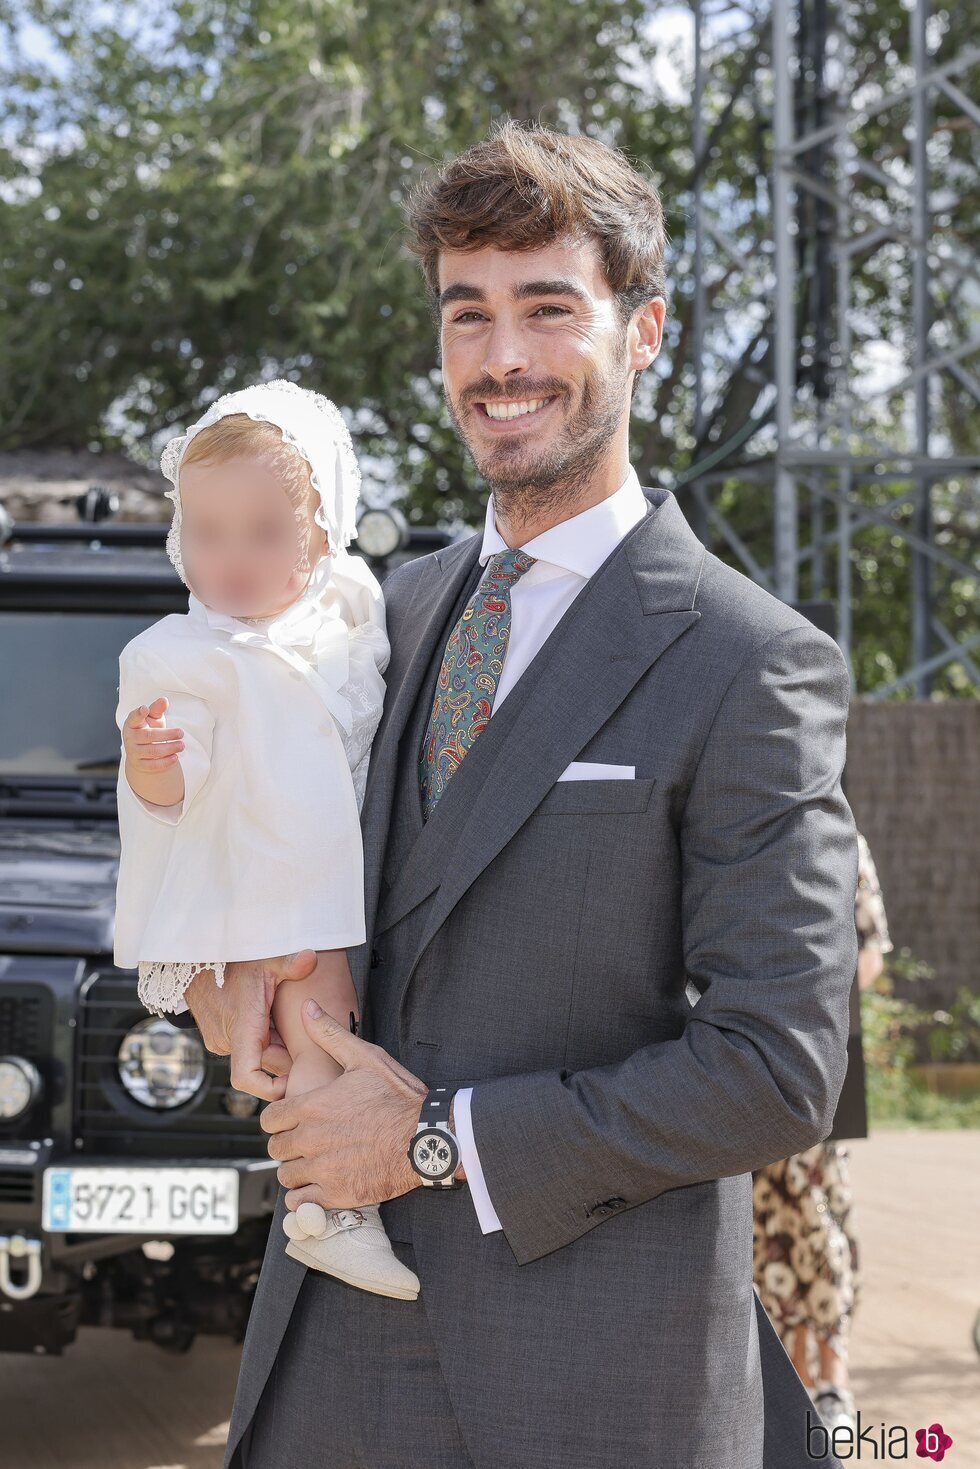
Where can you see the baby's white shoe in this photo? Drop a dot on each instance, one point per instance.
(353, 1246)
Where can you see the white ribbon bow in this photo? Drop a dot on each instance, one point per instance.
(309, 637)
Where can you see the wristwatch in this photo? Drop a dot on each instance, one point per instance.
(434, 1151)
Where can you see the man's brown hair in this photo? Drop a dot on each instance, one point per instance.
(524, 187)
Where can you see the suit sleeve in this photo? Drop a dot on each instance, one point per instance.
(143, 676)
(769, 871)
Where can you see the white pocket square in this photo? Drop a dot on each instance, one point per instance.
(590, 770)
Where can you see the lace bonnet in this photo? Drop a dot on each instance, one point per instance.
(311, 425)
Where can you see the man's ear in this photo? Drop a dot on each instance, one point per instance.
(646, 333)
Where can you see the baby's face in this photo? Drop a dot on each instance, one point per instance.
(240, 539)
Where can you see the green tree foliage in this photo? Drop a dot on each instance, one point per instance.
(197, 192)
(220, 187)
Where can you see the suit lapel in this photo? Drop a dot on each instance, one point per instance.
(629, 612)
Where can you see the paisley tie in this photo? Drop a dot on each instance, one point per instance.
(470, 672)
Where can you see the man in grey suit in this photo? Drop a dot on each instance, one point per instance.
(610, 876)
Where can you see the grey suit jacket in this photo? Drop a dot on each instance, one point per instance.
(543, 941)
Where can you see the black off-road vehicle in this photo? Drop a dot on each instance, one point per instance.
(135, 1188)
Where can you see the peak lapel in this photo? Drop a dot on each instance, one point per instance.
(638, 603)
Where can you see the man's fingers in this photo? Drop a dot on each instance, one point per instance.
(297, 966)
(256, 1084)
(352, 1052)
(311, 1193)
(276, 1058)
(248, 1044)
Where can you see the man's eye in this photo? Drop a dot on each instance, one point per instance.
(558, 310)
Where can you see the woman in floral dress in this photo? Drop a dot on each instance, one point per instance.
(805, 1252)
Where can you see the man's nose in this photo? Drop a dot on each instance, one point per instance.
(507, 352)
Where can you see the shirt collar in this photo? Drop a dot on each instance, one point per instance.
(581, 543)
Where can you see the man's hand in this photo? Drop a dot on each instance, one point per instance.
(235, 1020)
(345, 1145)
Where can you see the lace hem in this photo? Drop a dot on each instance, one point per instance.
(161, 986)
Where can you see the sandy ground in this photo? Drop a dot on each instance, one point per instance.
(917, 1218)
(111, 1403)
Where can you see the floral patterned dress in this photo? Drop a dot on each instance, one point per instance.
(805, 1252)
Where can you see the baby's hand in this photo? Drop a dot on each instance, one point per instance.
(150, 746)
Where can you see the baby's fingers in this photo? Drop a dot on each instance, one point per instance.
(149, 737)
(153, 748)
(137, 718)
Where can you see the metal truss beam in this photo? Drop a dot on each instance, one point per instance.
(828, 449)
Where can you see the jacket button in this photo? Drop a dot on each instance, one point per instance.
(615, 1203)
(375, 958)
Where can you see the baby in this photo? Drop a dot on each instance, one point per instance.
(246, 726)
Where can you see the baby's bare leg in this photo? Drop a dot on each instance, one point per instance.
(348, 1243)
(332, 987)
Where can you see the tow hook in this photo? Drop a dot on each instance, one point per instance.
(19, 1248)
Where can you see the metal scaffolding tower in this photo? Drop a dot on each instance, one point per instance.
(829, 445)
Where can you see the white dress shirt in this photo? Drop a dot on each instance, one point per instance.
(566, 556)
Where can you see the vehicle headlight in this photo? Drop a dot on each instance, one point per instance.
(240, 1104)
(381, 530)
(160, 1065)
(20, 1086)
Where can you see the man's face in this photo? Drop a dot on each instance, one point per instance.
(536, 364)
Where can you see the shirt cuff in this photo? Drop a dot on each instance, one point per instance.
(485, 1212)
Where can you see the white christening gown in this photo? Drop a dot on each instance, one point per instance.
(263, 856)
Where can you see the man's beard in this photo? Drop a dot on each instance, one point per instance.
(526, 484)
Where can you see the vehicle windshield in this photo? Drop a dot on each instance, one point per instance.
(59, 687)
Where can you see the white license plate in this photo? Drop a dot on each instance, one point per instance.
(141, 1200)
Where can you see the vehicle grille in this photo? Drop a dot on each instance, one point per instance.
(25, 1021)
(108, 1121)
(17, 1186)
(26, 1029)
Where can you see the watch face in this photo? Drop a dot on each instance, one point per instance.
(433, 1155)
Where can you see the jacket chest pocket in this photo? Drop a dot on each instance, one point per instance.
(596, 797)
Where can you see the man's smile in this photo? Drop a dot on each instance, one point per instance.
(511, 413)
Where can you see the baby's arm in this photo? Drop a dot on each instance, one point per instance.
(332, 987)
(152, 768)
(163, 769)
